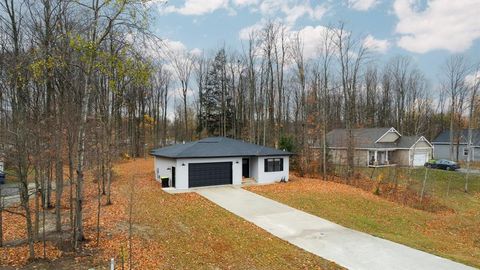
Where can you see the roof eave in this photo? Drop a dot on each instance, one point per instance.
(225, 156)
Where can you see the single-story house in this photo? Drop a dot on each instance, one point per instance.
(219, 161)
(379, 147)
(462, 152)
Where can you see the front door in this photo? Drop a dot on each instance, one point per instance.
(246, 168)
(173, 177)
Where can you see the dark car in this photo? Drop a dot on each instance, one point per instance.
(2, 178)
(442, 164)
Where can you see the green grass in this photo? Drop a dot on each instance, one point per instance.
(440, 184)
(452, 234)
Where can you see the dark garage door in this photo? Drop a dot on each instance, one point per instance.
(209, 174)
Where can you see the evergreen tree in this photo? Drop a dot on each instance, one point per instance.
(217, 113)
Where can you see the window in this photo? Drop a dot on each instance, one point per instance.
(273, 164)
(465, 151)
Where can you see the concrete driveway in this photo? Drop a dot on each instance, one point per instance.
(9, 193)
(346, 247)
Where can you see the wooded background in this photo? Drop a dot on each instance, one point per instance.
(84, 83)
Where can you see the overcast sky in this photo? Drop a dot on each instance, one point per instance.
(427, 30)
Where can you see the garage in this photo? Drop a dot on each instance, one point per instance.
(419, 158)
(209, 174)
(217, 161)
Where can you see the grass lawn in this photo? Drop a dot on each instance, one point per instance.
(451, 234)
(187, 231)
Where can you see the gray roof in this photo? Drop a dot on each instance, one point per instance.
(444, 137)
(366, 138)
(407, 141)
(363, 137)
(217, 147)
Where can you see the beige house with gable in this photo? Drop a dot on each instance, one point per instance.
(377, 147)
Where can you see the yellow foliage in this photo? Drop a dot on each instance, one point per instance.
(147, 119)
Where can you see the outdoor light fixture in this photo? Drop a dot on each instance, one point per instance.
(183, 164)
(236, 162)
(168, 169)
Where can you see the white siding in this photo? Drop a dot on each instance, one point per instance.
(422, 144)
(163, 167)
(257, 170)
(263, 177)
(181, 179)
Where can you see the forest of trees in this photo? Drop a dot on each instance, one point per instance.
(85, 83)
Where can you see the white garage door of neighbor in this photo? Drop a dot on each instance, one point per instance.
(419, 159)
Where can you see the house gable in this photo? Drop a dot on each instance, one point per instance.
(390, 136)
(422, 143)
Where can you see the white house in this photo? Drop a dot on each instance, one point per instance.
(219, 161)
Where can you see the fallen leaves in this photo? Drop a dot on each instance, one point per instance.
(183, 231)
(18, 256)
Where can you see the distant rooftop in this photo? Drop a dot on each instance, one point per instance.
(462, 135)
(366, 138)
(217, 147)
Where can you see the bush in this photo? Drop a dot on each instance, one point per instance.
(286, 143)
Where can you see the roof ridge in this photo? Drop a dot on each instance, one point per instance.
(188, 147)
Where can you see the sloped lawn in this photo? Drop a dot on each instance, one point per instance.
(451, 234)
(183, 231)
(186, 231)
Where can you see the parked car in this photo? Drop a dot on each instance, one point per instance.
(2, 178)
(442, 164)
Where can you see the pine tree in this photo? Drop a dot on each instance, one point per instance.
(217, 114)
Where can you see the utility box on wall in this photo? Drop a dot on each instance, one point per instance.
(1, 166)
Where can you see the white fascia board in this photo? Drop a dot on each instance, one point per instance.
(419, 139)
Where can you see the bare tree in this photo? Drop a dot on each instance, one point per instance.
(326, 56)
(351, 54)
(183, 64)
(474, 86)
(11, 16)
(455, 71)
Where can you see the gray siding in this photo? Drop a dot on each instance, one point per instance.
(339, 156)
(400, 157)
(443, 152)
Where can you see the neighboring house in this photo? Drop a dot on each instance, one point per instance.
(462, 152)
(379, 147)
(219, 161)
